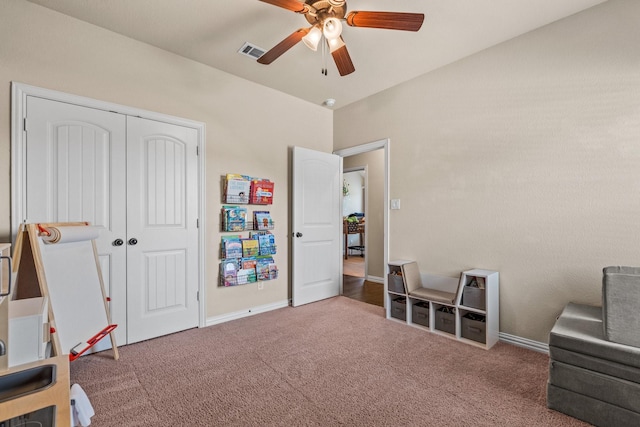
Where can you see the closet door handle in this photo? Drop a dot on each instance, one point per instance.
(118, 242)
(133, 241)
(298, 234)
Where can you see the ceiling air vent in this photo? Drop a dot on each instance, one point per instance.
(252, 51)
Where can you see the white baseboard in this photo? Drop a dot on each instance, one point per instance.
(245, 313)
(524, 342)
(375, 279)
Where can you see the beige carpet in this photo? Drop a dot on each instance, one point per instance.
(336, 362)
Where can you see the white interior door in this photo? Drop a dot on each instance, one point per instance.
(75, 171)
(317, 226)
(162, 238)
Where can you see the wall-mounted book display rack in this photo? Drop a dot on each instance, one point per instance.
(237, 218)
(246, 259)
(243, 189)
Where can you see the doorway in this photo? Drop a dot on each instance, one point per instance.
(354, 221)
(373, 160)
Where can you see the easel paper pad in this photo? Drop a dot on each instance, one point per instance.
(70, 234)
(74, 291)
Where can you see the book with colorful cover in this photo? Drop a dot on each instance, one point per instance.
(231, 247)
(229, 271)
(250, 247)
(246, 276)
(237, 188)
(267, 244)
(261, 192)
(262, 220)
(273, 271)
(248, 263)
(262, 267)
(234, 218)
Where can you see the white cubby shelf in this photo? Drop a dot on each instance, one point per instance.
(464, 308)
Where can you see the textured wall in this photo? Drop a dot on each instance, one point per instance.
(523, 158)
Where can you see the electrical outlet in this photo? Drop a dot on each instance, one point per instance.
(260, 286)
(395, 203)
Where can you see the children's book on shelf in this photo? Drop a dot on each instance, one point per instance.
(231, 247)
(250, 247)
(273, 271)
(229, 271)
(262, 220)
(246, 276)
(266, 244)
(234, 218)
(248, 263)
(237, 188)
(263, 267)
(261, 191)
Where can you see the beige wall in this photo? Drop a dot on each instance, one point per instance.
(249, 127)
(524, 158)
(374, 161)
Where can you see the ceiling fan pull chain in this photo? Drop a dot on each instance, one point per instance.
(324, 56)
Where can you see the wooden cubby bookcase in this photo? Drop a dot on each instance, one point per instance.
(464, 308)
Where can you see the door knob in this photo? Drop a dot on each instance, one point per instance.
(133, 241)
(298, 234)
(118, 242)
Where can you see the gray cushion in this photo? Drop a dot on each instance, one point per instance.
(579, 329)
(434, 295)
(616, 391)
(621, 305)
(588, 409)
(596, 364)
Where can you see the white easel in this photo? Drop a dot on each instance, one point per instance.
(67, 271)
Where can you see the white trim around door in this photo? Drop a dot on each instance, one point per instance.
(365, 148)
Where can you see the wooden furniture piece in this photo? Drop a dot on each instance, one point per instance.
(353, 228)
(5, 276)
(464, 308)
(34, 387)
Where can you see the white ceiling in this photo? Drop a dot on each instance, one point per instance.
(212, 32)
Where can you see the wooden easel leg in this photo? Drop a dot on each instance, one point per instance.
(116, 354)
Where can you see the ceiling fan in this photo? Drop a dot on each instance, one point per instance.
(325, 17)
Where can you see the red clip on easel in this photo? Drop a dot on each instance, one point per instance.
(79, 349)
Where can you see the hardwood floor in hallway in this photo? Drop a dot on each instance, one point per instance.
(362, 290)
(354, 266)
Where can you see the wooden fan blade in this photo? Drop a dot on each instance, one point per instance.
(283, 46)
(343, 61)
(292, 5)
(386, 20)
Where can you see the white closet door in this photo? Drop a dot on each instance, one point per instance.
(162, 238)
(76, 171)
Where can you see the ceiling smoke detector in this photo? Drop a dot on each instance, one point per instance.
(329, 102)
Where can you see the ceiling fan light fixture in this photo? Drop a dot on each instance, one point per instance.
(312, 38)
(332, 28)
